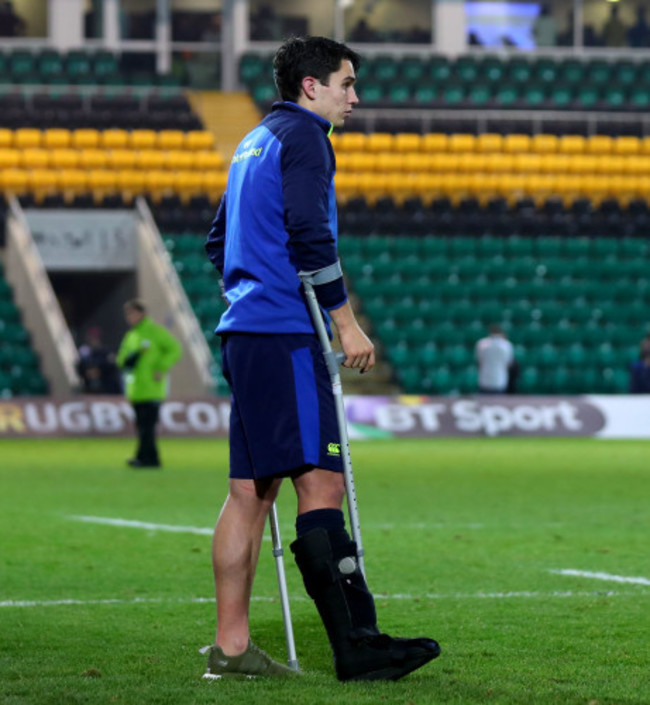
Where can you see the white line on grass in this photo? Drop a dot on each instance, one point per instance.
(603, 576)
(144, 525)
(204, 531)
(302, 598)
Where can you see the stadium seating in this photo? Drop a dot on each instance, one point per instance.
(574, 307)
(488, 166)
(67, 164)
(19, 366)
(199, 280)
(475, 82)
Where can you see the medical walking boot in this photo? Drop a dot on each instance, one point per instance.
(330, 570)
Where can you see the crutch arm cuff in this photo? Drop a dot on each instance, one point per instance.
(328, 285)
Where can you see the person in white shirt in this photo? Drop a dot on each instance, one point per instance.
(494, 355)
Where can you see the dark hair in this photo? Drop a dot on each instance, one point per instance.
(136, 305)
(299, 57)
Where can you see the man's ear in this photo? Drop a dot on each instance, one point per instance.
(309, 87)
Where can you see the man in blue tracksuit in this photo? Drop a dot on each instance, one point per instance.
(278, 217)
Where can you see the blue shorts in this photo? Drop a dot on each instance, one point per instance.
(283, 413)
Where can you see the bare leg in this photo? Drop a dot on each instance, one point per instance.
(319, 489)
(235, 550)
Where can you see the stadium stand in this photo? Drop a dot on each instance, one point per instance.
(573, 306)
(19, 366)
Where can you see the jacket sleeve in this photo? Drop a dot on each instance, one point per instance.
(216, 240)
(307, 170)
(123, 352)
(170, 349)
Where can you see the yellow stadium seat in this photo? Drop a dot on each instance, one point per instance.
(142, 139)
(544, 144)
(346, 185)
(472, 162)
(9, 158)
(199, 139)
(380, 142)
(56, 138)
(64, 158)
(214, 184)
(85, 138)
(624, 188)
(72, 182)
(391, 163)
(644, 145)
(114, 138)
(627, 145)
(208, 160)
(409, 163)
(42, 182)
(569, 187)
(361, 161)
(170, 139)
(178, 160)
(102, 181)
(407, 142)
(483, 186)
(121, 159)
(498, 163)
(461, 143)
(27, 137)
(435, 142)
(444, 162)
(552, 163)
(608, 164)
(130, 183)
(34, 158)
(149, 159)
(489, 142)
(599, 144)
(572, 144)
(596, 187)
(351, 142)
(159, 183)
(637, 165)
(188, 184)
(516, 144)
(14, 181)
(584, 163)
(6, 138)
(93, 158)
(528, 163)
(540, 186)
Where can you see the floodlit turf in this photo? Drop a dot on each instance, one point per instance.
(461, 537)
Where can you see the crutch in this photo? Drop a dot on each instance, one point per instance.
(278, 553)
(332, 360)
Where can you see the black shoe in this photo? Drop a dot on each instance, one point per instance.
(139, 465)
(383, 657)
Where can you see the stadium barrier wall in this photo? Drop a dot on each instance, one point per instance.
(369, 417)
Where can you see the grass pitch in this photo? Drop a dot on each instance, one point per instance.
(527, 560)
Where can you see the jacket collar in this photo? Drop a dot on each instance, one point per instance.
(324, 124)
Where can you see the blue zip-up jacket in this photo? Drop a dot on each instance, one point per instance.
(277, 217)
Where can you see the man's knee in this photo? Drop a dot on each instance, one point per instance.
(320, 488)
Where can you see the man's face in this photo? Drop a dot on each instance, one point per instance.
(335, 101)
(132, 316)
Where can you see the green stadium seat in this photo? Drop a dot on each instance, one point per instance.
(49, 64)
(383, 69)
(21, 63)
(599, 72)
(519, 70)
(252, 68)
(571, 71)
(466, 69)
(412, 70)
(78, 65)
(439, 69)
